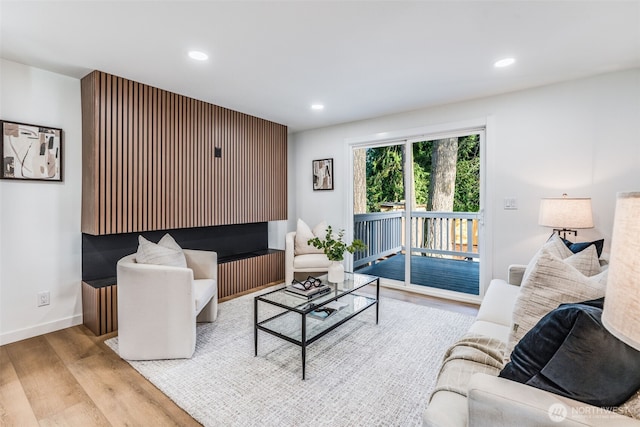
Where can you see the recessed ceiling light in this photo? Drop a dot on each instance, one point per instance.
(317, 107)
(198, 56)
(505, 62)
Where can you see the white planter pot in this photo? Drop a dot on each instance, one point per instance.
(336, 272)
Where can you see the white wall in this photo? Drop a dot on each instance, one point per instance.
(40, 239)
(581, 137)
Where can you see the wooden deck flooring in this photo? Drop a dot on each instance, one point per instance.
(441, 273)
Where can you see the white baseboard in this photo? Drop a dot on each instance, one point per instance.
(41, 329)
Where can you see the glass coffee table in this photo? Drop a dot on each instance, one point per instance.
(296, 323)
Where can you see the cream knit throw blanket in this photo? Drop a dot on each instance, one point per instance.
(471, 354)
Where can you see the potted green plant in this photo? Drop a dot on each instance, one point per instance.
(334, 248)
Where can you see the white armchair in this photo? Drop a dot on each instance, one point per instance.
(158, 306)
(306, 262)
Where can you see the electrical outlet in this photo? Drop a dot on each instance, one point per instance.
(44, 298)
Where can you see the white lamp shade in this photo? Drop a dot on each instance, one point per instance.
(566, 212)
(621, 315)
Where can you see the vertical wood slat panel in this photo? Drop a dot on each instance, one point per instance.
(162, 161)
(124, 206)
(133, 167)
(206, 162)
(90, 152)
(119, 211)
(148, 157)
(157, 156)
(143, 172)
(113, 153)
(103, 310)
(114, 307)
(106, 160)
(90, 302)
(100, 308)
(225, 179)
(151, 163)
(241, 159)
(109, 308)
(175, 156)
(189, 161)
(130, 156)
(243, 275)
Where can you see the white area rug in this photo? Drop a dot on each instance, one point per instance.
(360, 374)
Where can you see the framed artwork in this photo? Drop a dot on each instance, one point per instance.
(31, 152)
(323, 174)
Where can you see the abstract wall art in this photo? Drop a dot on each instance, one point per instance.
(31, 152)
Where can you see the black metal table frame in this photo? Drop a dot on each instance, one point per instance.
(304, 342)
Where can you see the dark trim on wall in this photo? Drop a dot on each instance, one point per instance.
(101, 253)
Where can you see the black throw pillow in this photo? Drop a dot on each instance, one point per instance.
(570, 353)
(580, 246)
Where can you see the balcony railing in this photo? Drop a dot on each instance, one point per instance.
(381, 232)
(450, 234)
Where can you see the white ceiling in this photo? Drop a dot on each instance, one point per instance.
(360, 59)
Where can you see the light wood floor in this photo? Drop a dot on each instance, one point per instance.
(71, 378)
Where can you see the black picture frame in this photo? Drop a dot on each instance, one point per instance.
(30, 152)
(323, 178)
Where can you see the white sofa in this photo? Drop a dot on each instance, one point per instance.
(496, 402)
(159, 305)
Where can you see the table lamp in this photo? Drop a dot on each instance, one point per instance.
(566, 214)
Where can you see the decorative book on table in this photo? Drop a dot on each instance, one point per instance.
(308, 293)
(323, 312)
(338, 305)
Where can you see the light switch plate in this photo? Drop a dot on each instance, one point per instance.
(510, 203)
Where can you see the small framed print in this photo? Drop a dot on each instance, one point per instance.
(31, 152)
(323, 174)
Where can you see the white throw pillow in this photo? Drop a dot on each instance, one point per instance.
(554, 245)
(304, 233)
(165, 252)
(552, 281)
(586, 261)
(168, 242)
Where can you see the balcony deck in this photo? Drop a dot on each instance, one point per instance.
(450, 274)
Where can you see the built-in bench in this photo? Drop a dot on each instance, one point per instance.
(237, 274)
(245, 263)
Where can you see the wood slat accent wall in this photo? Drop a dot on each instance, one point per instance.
(148, 161)
(245, 274)
(100, 308)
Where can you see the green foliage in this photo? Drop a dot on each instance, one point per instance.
(422, 154)
(467, 191)
(385, 180)
(334, 247)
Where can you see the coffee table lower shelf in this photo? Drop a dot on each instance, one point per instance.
(299, 327)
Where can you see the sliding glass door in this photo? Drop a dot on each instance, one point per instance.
(445, 213)
(379, 209)
(417, 207)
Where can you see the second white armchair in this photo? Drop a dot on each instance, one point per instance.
(300, 256)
